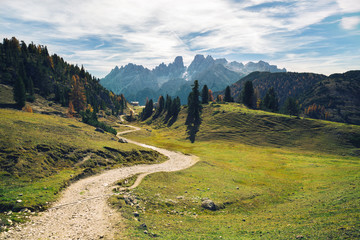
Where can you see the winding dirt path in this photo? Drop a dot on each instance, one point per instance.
(82, 211)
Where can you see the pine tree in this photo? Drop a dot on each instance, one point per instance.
(31, 96)
(160, 107)
(271, 101)
(228, 97)
(205, 95)
(147, 111)
(193, 119)
(292, 107)
(247, 94)
(168, 103)
(175, 108)
(19, 92)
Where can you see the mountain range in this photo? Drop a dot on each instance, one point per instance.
(175, 79)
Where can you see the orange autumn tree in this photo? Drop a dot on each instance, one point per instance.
(77, 94)
(210, 96)
(71, 110)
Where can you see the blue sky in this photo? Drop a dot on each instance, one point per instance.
(320, 36)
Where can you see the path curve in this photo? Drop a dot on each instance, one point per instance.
(82, 211)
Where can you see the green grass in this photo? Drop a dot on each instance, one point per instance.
(40, 154)
(274, 177)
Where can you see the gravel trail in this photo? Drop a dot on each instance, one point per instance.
(82, 211)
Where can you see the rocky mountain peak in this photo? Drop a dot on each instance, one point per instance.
(179, 61)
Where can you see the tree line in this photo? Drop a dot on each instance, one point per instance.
(169, 108)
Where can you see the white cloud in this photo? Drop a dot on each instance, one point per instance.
(350, 23)
(349, 6)
(151, 32)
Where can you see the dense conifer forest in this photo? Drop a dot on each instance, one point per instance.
(31, 70)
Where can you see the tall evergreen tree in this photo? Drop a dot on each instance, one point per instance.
(147, 111)
(175, 108)
(167, 103)
(247, 94)
(193, 119)
(31, 96)
(19, 92)
(205, 95)
(271, 101)
(160, 107)
(228, 97)
(292, 107)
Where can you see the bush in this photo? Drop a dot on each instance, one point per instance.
(90, 118)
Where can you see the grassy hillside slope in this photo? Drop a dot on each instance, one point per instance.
(272, 176)
(40, 154)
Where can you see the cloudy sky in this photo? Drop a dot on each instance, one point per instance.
(320, 36)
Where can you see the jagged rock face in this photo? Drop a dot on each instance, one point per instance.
(175, 79)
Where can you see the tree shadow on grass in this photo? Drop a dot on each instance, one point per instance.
(191, 131)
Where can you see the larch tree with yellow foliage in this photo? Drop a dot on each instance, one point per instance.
(77, 94)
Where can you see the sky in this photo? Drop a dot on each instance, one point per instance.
(321, 36)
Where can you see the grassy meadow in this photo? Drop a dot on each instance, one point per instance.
(40, 154)
(272, 177)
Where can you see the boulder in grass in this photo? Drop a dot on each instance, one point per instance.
(122, 140)
(99, 130)
(209, 204)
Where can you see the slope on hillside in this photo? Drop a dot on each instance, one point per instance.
(40, 154)
(270, 176)
(339, 94)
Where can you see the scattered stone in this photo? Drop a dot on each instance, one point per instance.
(101, 237)
(180, 197)
(99, 130)
(143, 226)
(136, 214)
(19, 201)
(299, 237)
(209, 204)
(122, 140)
(20, 194)
(237, 188)
(244, 220)
(146, 232)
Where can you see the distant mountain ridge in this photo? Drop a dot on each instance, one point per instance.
(137, 82)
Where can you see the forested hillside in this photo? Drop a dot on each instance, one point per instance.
(285, 84)
(31, 69)
(334, 98)
(338, 96)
